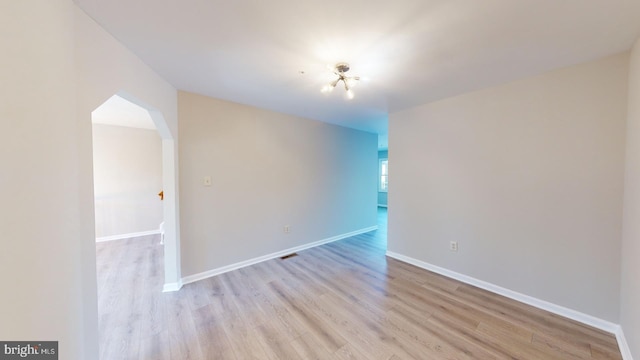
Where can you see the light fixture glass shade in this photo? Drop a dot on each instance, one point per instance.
(326, 89)
(351, 82)
(350, 94)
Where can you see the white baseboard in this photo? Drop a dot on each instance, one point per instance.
(221, 270)
(127, 236)
(541, 304)
(622, 343)
(380, 205)
(170, 287)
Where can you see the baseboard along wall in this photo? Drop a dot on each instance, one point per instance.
(127, 236)
(541, 304)
(529, 300)
(221, 270)
(623, 345)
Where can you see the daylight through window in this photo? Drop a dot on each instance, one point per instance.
(384, 175)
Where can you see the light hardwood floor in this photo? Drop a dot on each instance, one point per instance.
(343, 300)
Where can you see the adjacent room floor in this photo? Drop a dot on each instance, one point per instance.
(343, 300)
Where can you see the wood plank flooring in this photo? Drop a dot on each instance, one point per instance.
(343, 300)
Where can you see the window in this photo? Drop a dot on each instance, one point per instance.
(383, 184)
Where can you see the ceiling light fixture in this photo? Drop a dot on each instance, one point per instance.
(348, 81)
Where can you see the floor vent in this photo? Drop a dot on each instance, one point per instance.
(288, 256)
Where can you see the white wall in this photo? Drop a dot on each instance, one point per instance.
(630, 294)
(527, 177)
(57, 67)
(41, 260)
(268, 170)
(127, 174)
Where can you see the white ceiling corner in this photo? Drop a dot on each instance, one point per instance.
(412, 51)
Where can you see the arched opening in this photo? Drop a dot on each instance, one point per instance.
(169, 186)
(135, 211)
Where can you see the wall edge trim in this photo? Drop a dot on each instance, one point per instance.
(622, 344)
(171, 287)
(529, 300)
(221, 270)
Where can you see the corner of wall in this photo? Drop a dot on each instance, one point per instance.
(630, 267)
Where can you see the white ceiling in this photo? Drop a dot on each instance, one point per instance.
(120, 112)
(411, 51)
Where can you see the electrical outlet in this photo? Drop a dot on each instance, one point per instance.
(287, 229)
(453, 246)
